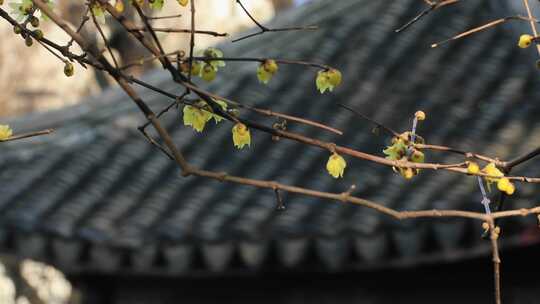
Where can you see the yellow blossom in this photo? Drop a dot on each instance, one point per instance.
(156, 4)
(336, 165)
(328, 80)
(5, 132)
(510, 189)
(119, 6)
(407, 173)
(417, 156)
(98, 11)
(196, 117)
(504, 185)
(196, 68)
(525, 41)
(266, 70)
(183, 2)
(493, 171)
(241, 135)
(209, 73)
(420, 115)
(212, 52)
(473, 168)
(397, 150)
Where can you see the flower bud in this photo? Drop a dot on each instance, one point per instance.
(525, 41)
(28, 41)
(69, 70)
(38, 34)
(34, 21)
(420, 115)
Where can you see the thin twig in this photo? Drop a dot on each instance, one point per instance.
(84, 19)
(191, 39)
(496, 259)
(185, 31)
(432, 6)
(531, 22)
(481, 157)
(482, 28)
(153, 142)
(261, 59)
(264, 29)
(147, 59)
(379, 125)
(105, 41)
(164, 17)
(27, 135)
(149, 28)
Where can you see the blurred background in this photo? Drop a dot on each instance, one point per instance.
(21, 77)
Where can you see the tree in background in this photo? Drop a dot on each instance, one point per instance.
(32, 94)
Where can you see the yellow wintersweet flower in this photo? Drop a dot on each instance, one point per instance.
(266, 70)
(119, 6)
(492, 170)
(420, 115)
(98, 11)
(241, 135)
(208, 73)
(504, 185)
(196, 117)
(336, 165)
(5, 132)
(417, 156)
(407, 173)
(156, 4)
(525, 41)
(196, 68)
(335, 77)
(473, 168)
(328, 80)
(397, 150)
(183, 2)
(213, 52)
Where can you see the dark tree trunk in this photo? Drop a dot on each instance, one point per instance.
(280, 5)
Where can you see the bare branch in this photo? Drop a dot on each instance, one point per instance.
(27, 135)
(264, 29)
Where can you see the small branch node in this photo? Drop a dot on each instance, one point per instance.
(222, 176)
(280, 205)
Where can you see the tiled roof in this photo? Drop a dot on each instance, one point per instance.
(96, 197)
